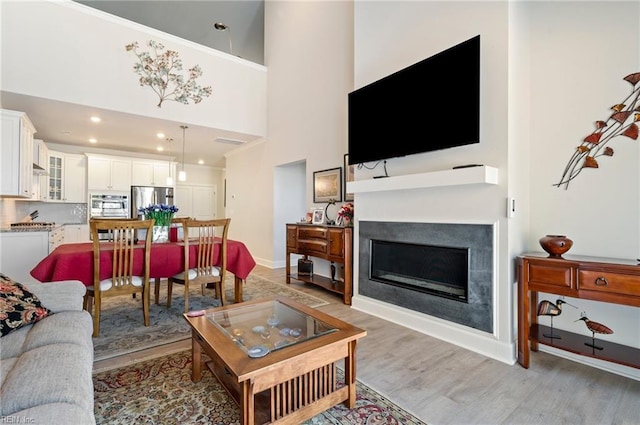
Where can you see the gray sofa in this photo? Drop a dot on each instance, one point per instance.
(46, 367)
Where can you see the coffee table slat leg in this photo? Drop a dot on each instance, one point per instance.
(350, 375)
(247, 409)
(196, 359)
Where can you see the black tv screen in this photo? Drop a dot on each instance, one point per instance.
(431, 105)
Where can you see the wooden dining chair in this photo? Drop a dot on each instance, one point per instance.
(122, 279)
(209, 267)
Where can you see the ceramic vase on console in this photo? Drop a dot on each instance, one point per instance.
(556, 245)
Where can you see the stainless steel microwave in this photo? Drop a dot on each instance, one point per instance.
(109, 205)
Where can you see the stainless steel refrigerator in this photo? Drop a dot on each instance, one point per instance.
(143, 196)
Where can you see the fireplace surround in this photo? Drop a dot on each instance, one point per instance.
(477, 240)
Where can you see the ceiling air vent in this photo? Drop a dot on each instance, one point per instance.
(229, 141)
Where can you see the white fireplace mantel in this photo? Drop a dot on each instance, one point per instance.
(461, 176)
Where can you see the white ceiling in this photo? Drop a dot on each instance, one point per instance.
(69, 124)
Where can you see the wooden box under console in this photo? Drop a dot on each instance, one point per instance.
(331, 243)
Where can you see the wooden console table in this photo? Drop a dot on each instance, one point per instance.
(593, 278)
(331, 243)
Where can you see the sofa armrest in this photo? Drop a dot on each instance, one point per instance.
(66, 295)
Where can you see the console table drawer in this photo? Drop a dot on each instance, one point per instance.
(609, 282)
(545, 274)
(312, 233)
(313, 246)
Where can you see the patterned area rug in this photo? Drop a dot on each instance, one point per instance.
(122, 330)
(160, 391)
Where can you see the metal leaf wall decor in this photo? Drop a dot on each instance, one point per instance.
(158, 70)
(622, 122)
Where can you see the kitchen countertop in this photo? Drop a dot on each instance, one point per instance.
(30, 229)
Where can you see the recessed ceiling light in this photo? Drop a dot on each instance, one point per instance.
(95, 119)
(92, 140)
(160, 148)
(66, 133)
(160, 135)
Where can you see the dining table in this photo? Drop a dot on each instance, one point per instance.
(74, 261)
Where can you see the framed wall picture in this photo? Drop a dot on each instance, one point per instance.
(327, 185)
(318, 216)
(348, 177)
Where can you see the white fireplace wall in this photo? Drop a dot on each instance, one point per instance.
(535, 57)
(377, 53)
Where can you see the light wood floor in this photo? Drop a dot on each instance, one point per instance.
(444, 384)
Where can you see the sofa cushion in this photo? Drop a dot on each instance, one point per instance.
(18, 306)
(69, 327)
(56, 373)
(53, 414)
(12, 344)
(59, 296)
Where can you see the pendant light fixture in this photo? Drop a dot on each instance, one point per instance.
(170, 177)
(182, 175)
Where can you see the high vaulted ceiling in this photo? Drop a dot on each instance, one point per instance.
(65, 123)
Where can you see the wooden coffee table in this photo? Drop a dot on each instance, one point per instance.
(277, 358)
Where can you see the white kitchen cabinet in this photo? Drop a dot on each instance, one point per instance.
(16, 161)
(151, 173)
(204, 202)
(56, 179)
(109, 173)
(76, 233)
(38, 188)
(196, 201)
(183, 199)
(67, 177)
(75, 178)
(56, 237)
(20, 252)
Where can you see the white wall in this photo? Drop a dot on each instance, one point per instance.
(423, 29)
(577, 65)
(308, 50)
(289, 194)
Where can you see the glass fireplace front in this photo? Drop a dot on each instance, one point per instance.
(436, 270)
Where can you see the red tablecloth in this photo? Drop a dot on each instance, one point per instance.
(74, 261)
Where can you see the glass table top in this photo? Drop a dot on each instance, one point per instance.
(267, 326)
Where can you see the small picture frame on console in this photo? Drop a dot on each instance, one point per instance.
(318, 216)
(327, 185)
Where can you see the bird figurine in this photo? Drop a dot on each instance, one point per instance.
(547, 308)
(595, 328)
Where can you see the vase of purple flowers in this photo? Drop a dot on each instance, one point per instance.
(162, 214)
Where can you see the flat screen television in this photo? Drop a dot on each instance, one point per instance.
(431, 105)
